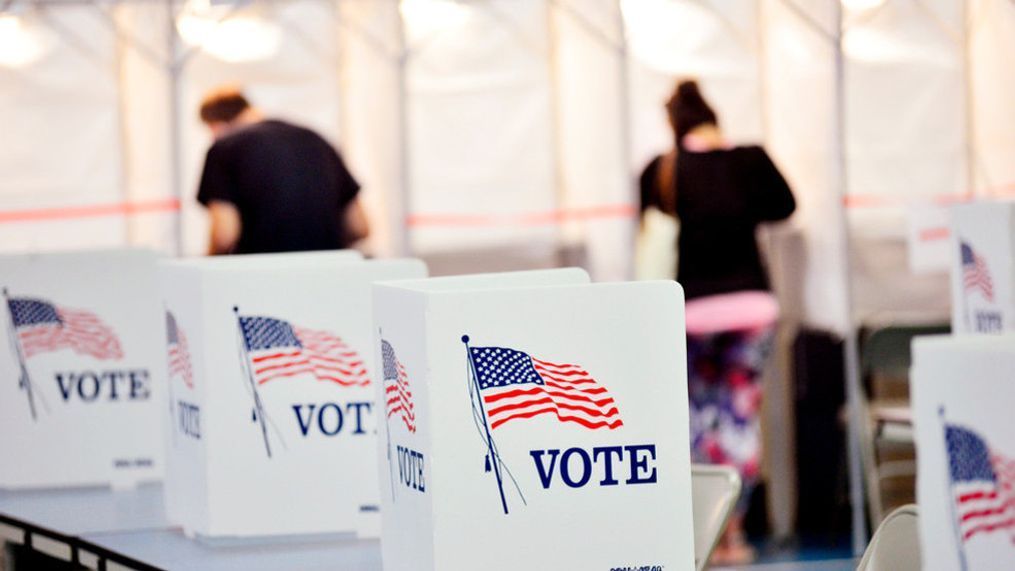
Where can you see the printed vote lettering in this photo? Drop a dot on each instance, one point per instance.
(577, 466)
(189, 418)
(988, 322)
(92, 386)
(329, 419)
(410, 469)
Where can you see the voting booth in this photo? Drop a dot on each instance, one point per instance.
(83, 370)
(983, 270)
(271, 399)
(526, 415)
(963, 392)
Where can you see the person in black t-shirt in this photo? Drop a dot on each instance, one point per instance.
(270, 186)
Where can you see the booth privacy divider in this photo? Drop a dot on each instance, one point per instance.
(83, 370)
(983, 267)
(527, 414)
(271, 394)
(962, 411)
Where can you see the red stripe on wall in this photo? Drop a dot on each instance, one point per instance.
(878, 201)
(523, 218)
(91, 211)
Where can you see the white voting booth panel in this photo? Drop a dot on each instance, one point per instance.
(983, 271)
(272, 407)
(963, 390)
(528, 414)
(83, 369)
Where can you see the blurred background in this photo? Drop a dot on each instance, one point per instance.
(509, 134)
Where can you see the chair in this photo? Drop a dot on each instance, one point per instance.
(885, 353)
(714, 493)
(896, 544)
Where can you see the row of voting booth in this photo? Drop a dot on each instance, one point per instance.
(963, 391)
(320, 394)
(312, 394)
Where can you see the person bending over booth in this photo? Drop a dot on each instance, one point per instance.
(270, 186)
(720, 194)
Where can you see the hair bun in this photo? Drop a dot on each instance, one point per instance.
(688, 91)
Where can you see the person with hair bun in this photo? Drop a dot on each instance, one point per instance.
(721, 194)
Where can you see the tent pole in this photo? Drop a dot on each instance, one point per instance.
(624, 98)
(123, 137)
(851, 350)
(405, 211)
(556, 142)
(970, 92)
(175, 158)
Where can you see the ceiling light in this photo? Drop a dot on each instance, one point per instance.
(20, 44)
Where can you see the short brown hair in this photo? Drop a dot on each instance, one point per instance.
(223, 105)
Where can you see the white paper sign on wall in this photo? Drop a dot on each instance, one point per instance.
(928, 238)
(983, 271)
(963, 390)
(528, 414)
(273, 414)
(83, 369)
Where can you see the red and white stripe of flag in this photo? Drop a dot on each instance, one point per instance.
(984, 507)
(179, 359)
(978, 278)
(399, 398)
(323, 355)
(570, 393)
(80, 330)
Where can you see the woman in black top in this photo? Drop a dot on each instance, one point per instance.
(721, 194)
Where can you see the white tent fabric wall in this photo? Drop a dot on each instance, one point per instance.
(61, 134)
(480, 125)
(145, 88)
(598, 201)
(905, 91)
(800, 104)
(992, 45)
(371, 70)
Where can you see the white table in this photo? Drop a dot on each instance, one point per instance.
(170, 550)
(131, 526)
(88, 510)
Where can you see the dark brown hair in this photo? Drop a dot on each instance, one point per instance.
(688, 109)
(223, 105)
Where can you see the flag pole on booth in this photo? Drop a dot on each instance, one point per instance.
(491, 452)
(174, 421)
(951, 494)
(24, 381)
(387, 425)
(245, 360)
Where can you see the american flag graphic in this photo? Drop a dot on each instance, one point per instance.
(981, 482)
(515, 385)
(179, 352)
(397, 393)
(43, 326)
(279, 349)
(975, 275)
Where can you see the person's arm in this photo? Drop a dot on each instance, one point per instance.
(354, 219)
(357, 226)
(216, 193)
(225, 227)
(773, 200)
(647, 184)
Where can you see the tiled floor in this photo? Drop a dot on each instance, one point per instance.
(806, 555)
